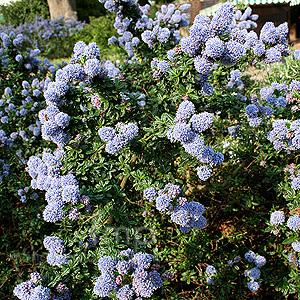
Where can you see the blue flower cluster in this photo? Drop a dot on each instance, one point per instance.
(53, 122)
(5, 142)
(85, 65)
(232, 130)
(252, 111)
(272, 44)
(160, 67)
(117, 138)
(131, 274)
(4, 168)
(207, 45)
(188, 129)
(28, 290)
(171, 17)
(235, 80)
(112, 69)
(296, 54)
(56, 248)
(245, 20)
(210, 271)
(34, 290)
(292, 95)
(10, 41)
(23, 193)
(60, 189)
(293, 222)
(185, 214)
(13, 110)
(275, 94)
(163, 28)
(254, 273)
(277, 218)
(285, 135)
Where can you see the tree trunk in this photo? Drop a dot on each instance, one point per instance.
(62, 8)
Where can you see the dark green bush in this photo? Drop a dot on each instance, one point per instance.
(16, 13)
(87, 9)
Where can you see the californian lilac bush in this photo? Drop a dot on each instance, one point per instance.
(112, 137)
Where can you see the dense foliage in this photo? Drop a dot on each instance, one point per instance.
(18, 12)
(170, 176)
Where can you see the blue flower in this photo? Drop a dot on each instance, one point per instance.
(163, 66)
(79, 47)
(296, 183)
(202, 65)
(23, 290)
(222, 20)
(92, 67)
(194, 147)
(125, 293)
(182, 132)
(163, 203)
(150, 194)
(214, 47)
(259, 49)
(273, 55)
(253, 286)
(251, 111)
(277, 218)
(143, 287)
(250, 256)
(293, 222)
(180, 216)
(106, 264)
(116, 144)
(71, 194)
(201, 122)
(204, 172)
(62, 119)
(185, 110)
(122, 267)
(40, 293)
(53, 213)
(269, 34)
(211, 270)
(106, 133)
(296, 246)
(260, 261)
(104, 285)
(129, 131)
(254, 273)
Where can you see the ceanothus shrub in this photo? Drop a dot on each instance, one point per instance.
(154, 128)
